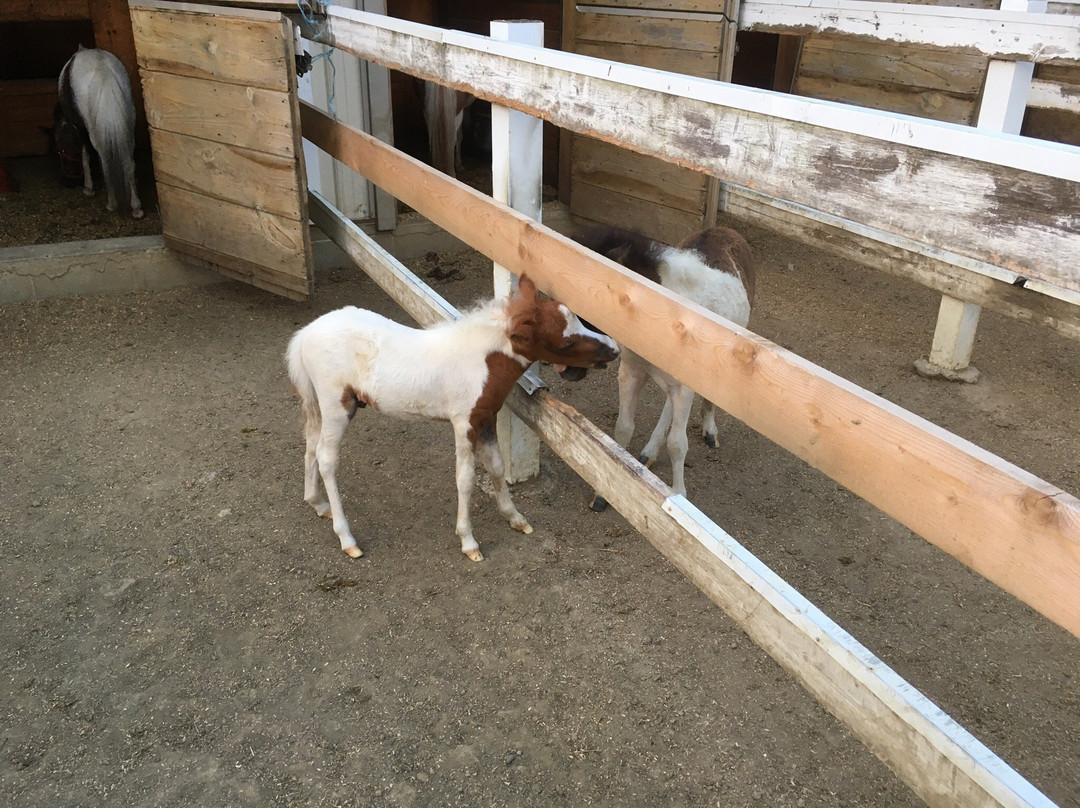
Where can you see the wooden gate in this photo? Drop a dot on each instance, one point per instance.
(220, 94)
(612, 184)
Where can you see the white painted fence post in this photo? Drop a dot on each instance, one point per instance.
(1004, 99)
(517, 162)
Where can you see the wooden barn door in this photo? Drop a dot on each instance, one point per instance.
(614, 185)
(220, 93)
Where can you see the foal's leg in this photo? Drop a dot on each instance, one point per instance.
(663, 424)
(334, 421)
(708, 422)
(132, 189)
(682, 400)
(488, 450)
(633, 371)
(632, 375)
(88, 178)
(466, 479)
(313, 496)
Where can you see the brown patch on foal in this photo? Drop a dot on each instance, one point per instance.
(726, 251)
(503, 373)
(352, 400)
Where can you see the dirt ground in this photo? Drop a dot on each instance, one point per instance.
(178, 628)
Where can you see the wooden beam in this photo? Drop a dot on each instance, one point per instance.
(1012, 35)
(240, 47)
(1017, 530)
(893, 173)
(937, 758)
(1002, 291)
(1054, 95)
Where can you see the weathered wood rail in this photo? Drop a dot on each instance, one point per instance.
(893, 173)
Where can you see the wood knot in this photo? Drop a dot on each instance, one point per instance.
(745, 354)
(1043, 508)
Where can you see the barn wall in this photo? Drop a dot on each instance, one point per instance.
(608, 183)
(927, 82)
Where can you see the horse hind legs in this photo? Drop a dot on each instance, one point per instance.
(88, 177)
(326, 455)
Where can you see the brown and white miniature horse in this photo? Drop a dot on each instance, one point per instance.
(459, 371)
(713, 268)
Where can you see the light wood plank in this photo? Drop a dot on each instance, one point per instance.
(256, 237)
(894, 174)
(957, 72)
(693, 63)
(647, 178)
(1051, 95)
(931, 104)
(260, 120)
(651, 218)
(938, 759)
(265, 182)
(1017, 530)
(238, 269)
(238, 50)
(930, 268)
(653, 32)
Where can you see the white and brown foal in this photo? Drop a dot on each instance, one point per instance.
(713, 268)
(459, 371)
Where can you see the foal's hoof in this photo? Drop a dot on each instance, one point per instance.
(353, 552)
(521, 526)
(475, 555)
(137, 214)
(646, 461)
(599, 504)
(710, 440)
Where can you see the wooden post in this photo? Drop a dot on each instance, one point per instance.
(381, 116)
(517, 163)
(1004, 100)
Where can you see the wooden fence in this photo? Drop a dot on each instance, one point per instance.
(1015, 529)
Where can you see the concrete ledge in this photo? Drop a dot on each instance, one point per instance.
(93, 267)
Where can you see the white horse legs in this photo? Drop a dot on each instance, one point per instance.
(323, 431)
(88, 178)
(326, 456)
(487, 448)
(491, 457)
(129, 185)
(670, 429)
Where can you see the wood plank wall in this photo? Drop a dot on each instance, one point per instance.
(923, 81)
(608, 183)
(221, 103)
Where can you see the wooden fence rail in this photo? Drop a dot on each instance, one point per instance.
(1017, 530)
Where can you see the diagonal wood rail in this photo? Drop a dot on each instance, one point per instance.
(1017, 530)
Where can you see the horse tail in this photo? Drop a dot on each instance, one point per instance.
(102, 96)
(299, 376)
(116, 131)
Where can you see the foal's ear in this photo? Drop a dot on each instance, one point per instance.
(526, 287)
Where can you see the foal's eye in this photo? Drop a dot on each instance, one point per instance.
(566, 346)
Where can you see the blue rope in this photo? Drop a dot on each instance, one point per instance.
(309, 17)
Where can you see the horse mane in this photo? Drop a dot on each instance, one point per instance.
(629, 248)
